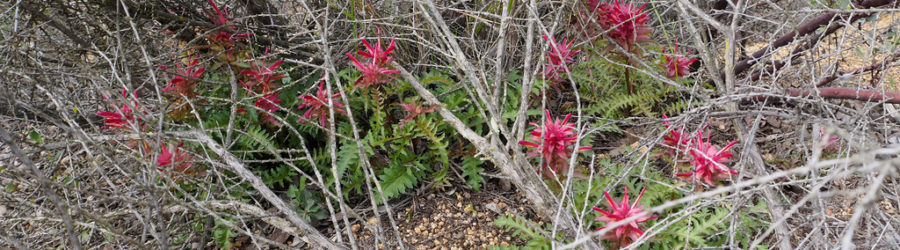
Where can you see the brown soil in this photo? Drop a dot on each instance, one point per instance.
(455, 219)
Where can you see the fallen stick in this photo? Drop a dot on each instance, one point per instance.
(848, 93)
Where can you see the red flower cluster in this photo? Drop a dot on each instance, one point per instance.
(624, 234)
(223, 38)
(376, 71)
(262, 75)
(707, 159)
(184, 81)
(709, 162)
(269, 103)
(675, 140)
(678, 65)
(559, 57)
(318, 105)
(175, 160)
(377, 54)
(624, 23)
(414, 110)
(120, 118)
(554, 140)
(167, 157)
(261, 81)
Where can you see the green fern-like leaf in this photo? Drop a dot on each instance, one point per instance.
(347, 158)
(278, 175)
(523, 229)
(705, 225)
(255, 137)
(472, 170)
(396, 179)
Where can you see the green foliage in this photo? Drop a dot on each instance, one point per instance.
(278, 176)
(700, 229)
(526, 230)
(305, 202)
(396, 179)
(222, 234)
(472, 170)
(347, 159)
(255, 137)
(705, 223)
(35, 137)
(605, 89)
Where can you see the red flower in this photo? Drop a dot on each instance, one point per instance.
(708, 161)
(175, 159)
(561, 53)
(373, 73)
(832, 145)
(678, 65)
(167, 157)
(624, 234)
(120, 118)
(414, 110)
(262, 75)
(269, 103)
(221, 19)
(117, 120)
(676, 140)
(559, 57)
(626, 25)
(377, 54)
(318, 105)
(182, 85)
(555, 138)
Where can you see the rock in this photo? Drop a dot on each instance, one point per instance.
(494, 207)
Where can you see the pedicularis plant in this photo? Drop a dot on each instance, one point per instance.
(406, 143)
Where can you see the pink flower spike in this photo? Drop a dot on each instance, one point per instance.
(414, 110)
(561, 53)
(553, 141)
(678, 65)
(220, 19)
(372, 73)
(174, 159)
(624, 23)
(623, 234)
(269, 103)
(377, 54)
(165, 156)
(263, 75)
(559, 57)
(119, 118)
(709, 162)
(185, 78)
(318, 105)
(676, 139)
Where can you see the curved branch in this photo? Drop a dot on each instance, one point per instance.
(802, 30)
